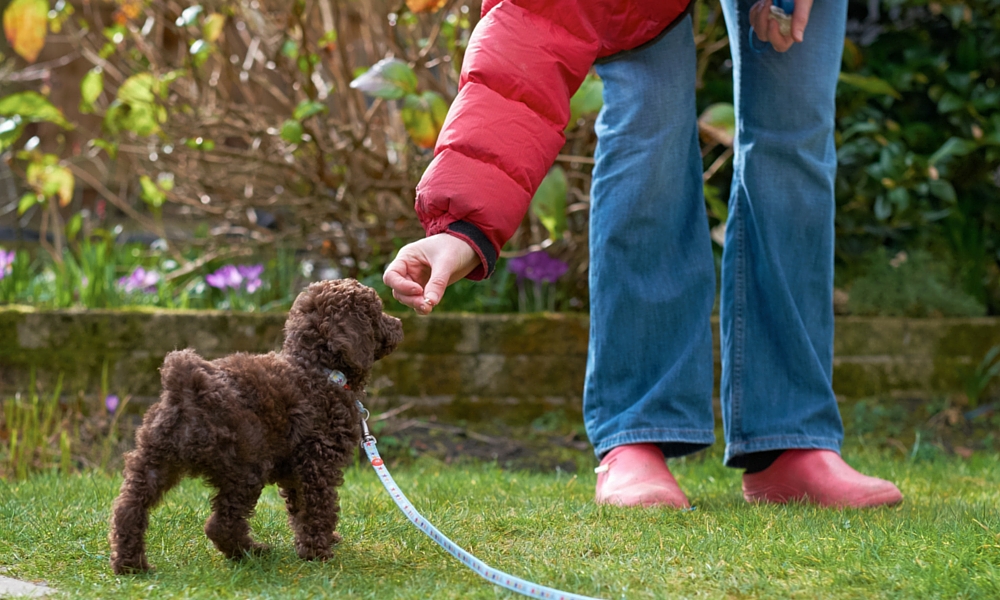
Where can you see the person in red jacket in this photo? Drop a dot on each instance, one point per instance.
(648, 388)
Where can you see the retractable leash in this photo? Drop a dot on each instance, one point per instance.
(485, 571)
(781, 11)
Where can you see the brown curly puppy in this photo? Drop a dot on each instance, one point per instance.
(244, 421)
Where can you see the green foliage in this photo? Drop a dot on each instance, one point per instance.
(919, 140)
(390, 79)
(549, 203)
(588, 99)
(29, 426)
(986, 372)
(910, 285)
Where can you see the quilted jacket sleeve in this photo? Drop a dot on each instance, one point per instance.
(524, 61)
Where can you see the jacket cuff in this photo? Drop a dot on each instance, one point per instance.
(475, 237)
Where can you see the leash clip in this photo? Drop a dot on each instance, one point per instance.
(366, 435)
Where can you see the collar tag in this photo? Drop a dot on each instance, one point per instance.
(337, 378)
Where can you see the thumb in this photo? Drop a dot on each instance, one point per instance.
(434, 290)
(800, 18)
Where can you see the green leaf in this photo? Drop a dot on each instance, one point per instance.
(73, 226)
(290, 49)
(52, 180)
(883, 208)
(151, 194)
(871, 85)
(900, 196)
(943, 190)
(423, 116)
(139, 89)
(188, 15)
(549, 202)
(308, 108)
(328, 39)
(587, 100)
(291, 131)
(10, 131)
(110, 147)
(25, 23)
(389, 78)
(27, 201)
(212, 28)
(950, 102)
(718, 122)
(953, 147)
(32, 107)
(199, 46)
(90, 89)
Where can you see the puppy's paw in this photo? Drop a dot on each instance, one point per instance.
(135, 566)
(337, 538)
(256, 549)
(309, 553)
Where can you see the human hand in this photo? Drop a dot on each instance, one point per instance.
(768, 29)
(423, 269)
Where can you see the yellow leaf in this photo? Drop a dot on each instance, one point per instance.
(25, 23)
(212, 28)
(425, 5)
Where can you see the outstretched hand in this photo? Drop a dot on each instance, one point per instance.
(423, 269)
(768, 30)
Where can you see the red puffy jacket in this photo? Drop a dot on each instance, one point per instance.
(525, 60)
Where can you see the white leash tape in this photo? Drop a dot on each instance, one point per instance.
(485, 571)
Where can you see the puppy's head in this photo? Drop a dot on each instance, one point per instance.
(340, 325)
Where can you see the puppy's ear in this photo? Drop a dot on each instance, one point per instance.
(352, 341)
(389, 332)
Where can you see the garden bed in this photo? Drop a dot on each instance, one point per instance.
(455, 366)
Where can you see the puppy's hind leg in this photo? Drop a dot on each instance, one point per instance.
(147, 477)
(315, 521)
(227, 527)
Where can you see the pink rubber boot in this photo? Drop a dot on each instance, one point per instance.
(637, 475)
(820, 477)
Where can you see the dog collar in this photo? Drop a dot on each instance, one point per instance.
(337, 378)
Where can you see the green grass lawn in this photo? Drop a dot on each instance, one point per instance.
(942, 542)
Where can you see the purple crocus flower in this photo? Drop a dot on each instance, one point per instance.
(111, 402)
(235, 276)
(250, 271)
(537, 266)
(139, 280)
(251, 274)
(6, 262)
(227, 276)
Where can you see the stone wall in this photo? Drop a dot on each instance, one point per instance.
(462, 366)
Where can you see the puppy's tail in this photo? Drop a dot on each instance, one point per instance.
(184, 376)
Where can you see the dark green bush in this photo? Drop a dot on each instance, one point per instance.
(919, 141)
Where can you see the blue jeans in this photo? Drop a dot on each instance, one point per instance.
(652, 272)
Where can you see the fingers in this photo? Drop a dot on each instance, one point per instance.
(422, 270)
(779, 42)
(759, 21)
(800, 18)
(396, 277)
(767, 28)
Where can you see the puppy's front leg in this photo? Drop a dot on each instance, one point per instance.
(314, 507)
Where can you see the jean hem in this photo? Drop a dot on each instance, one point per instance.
(698, 438)
(735, 450)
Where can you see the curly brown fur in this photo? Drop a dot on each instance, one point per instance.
(244, 421)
